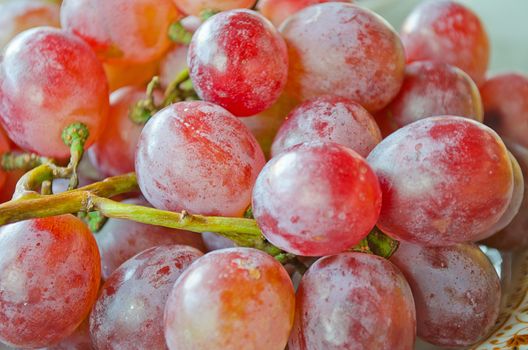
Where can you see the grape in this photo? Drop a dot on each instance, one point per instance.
(444, 180)
(238, 60)
(342, 49)
(197, 7)
(119, 240)
(446, 31)
(172, 64)
(79, 340)
(8, 187)
(137, 74)
(278, 10)
(197, 156)
(121, 31)
(50, 79)
(513, 236)
(213, 241)
(129, 311)
(316, 199)
(49, 278)
(238, 298)
(353, 301)
(505, 98)
(114, 152)
(329, 118)
(19, 15)
(456, 291)
(430, 89)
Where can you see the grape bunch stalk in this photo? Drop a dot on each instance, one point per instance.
(296, 174)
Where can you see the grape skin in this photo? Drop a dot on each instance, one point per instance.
(49, 279)
(278, 10)
(231, 299)
(446, 31)
(172, 64)
(316, 199)
(238, 60)
(329, 118)
(432, 174)
(342, 49)
(136, 74)
(129, 311)
(353, 301)
(456, 291)
(50, 79)
(196, 7)
(198, 157)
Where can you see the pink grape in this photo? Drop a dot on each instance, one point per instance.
(505, 98)
(121, 31)
(213, 160)
(213, 241)
(49, 277)
(456, 291)
(50, 79)
(196, 7)
(342, 49)
(446, 31)
(238, 298)
(79, 340)
(119, 240)
(316, 199)
(129, 311)
(353, 301)
(172, 64)
(278, 10)
(329, 118)
(238, 60)
(431, 89)
(444, 180)
(19, 15)
(135, 74)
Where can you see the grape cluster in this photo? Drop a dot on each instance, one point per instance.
(357, 168)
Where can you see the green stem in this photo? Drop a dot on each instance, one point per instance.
(178, 34)
(75, 136)
(22, 161)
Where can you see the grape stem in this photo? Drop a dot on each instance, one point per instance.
(22, 161)
(75, 136)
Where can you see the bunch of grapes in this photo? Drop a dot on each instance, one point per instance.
(341, 173)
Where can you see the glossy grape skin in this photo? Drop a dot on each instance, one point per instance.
(50, 79)
(505, 98)
(238, 60)
(353, 301)
(238, 298)
(316, 199)
(431, 89)
(329, 118)
(119, 240)
(214, 241)
(137, 74)
(196, 7)
(172, 64)
(278, 10)
(444, 180)
(121, 31)
(129, 311)
(114, 152)
(342, 49)
(19, 15)
(49, 278)
(456, 291)
(446, 31)
(197, 156)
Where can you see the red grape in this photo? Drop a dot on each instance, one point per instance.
(444, 180)
(316, 199)
(49, 278)
(231, 299)
(129, 311)
(197, 156)
(213, 241)
(353, 301)
(137, 74)
(342, 49)
(172, 64)
(196, 7)
(119, 240)
(431, 89)
(79, 340)
(505, 98)
(114, 152)
(19, 15)
(278, 10)
(50, 79)
(332, 119)
(446, 31)
(121, 31)
(456, 291)
(238, 60)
